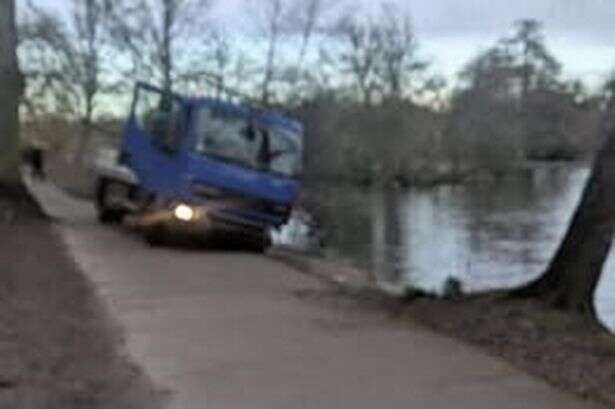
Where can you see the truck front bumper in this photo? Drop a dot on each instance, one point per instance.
(204, 224)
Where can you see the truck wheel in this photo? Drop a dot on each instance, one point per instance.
(106, 214)
(110, 216)
(260, 244)
(156, 236)
(258, 248)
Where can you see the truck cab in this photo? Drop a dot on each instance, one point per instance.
(202, 166)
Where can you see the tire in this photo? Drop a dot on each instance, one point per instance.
(156, 236)
(261, 244)
(106, 214)
(258, 248)
(110, 216)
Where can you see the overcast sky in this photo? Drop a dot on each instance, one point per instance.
(581, 33)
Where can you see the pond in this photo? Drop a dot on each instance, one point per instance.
(487, 235)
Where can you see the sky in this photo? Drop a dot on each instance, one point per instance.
(581, 33)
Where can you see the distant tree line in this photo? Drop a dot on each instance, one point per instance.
(513, 94)
(374, 109)
(510, 105)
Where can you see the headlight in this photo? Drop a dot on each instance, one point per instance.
(184, 212)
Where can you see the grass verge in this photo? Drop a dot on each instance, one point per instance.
(58, 347)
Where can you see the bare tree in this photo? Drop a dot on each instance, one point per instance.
(278, 21)
(222, 68)
(306, 18)
(571, 278)
(220, 53)
(361, 54)
(492, 72)
(272, 30)
(608, 96)
(398, 45)
(242, 69)
(149, 32)
(433, 91)
(11, 85)
(536, 66)
(483, 121)
(380, 55)
(537, 74)
(517, 65)
(63, 62)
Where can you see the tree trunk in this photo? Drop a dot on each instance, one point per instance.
(167, 45)
(90, 86)
(273, 23)
(571, 278)
(266, 93)
(83, 143)
(11, 84)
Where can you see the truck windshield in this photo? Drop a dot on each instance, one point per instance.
(233, 138)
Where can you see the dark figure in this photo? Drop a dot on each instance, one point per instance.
(35, 158)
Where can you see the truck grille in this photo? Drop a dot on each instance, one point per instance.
(241, 201)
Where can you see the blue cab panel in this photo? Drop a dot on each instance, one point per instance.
(197, 150)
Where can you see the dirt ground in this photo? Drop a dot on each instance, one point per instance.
(58, 347)
(548, 344)
(77, 179)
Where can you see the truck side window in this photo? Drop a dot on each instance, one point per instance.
(145, 107)
(151, 103)
(158, 116)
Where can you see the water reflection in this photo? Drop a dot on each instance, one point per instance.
(489, 235)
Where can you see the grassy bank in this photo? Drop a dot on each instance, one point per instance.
(58, 348)
(559, 348)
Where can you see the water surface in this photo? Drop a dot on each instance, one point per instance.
(488, 235)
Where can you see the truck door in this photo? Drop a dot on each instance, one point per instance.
(153, 140)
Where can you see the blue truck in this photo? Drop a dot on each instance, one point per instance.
(204, 168)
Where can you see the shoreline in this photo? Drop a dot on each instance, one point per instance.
(540, 341)
(427, 179)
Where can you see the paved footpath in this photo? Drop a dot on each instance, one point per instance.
(231, 331)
